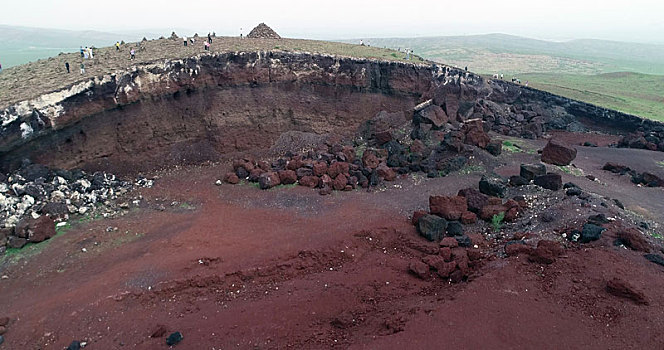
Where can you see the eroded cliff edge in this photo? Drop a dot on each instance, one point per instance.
(204, 106)
(207, 106)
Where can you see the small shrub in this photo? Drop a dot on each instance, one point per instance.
(497, 221)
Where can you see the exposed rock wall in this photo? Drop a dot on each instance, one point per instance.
(208, 106)
(203, 107)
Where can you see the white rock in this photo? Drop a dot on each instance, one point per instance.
(57, 196)
(17, 188)
(11, 221)
(35, 215)
(84, 183)
(75, 196)
(60, 224)
(218, 183)
(82, 210)
(29, 200)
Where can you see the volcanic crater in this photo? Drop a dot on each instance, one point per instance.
(307, 200)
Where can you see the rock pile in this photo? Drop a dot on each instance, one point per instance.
(538, 174)
(454, 261)
(447, 215)
(32, 197)
(513, 110)
(653, 140)
(330, 167)
(433, 150)
(262, 31)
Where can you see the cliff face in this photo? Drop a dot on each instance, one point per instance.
(203, 107)
(208, 106)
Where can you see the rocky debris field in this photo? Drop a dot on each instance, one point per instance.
(517, 111)
(34, 198)
(386, 146)
(641, 179)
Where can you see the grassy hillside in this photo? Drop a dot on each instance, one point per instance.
(19, 45)
(593, 71)
(512, 54)
(634, 93)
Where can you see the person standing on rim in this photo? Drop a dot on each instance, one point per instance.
(185, 40)
(209, 38)
(67, 66)
(82, 68)
(117, 46)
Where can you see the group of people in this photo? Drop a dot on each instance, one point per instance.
(206, 44)
(517, 80)
(87, 53)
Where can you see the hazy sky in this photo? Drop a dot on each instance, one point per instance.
(635, 20)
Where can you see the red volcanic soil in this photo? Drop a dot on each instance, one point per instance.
(237, 267)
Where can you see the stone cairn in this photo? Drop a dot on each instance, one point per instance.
(262, 31)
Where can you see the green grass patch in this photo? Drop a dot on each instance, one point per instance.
(633, 93)
(516, 146)
(470, 169)
(125, 238)
(497, 221)
(284, 186)
(89, 218)
(657, 236)
(359, 150)
(510, 146)
(59, 230)
(186, 206)
(661, 163)
(570, 170)
(248, 183)
(14, 255)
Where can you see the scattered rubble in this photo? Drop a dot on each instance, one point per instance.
(645, 178)
(34, 196)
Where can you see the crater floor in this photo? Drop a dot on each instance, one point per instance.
(237, 267)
